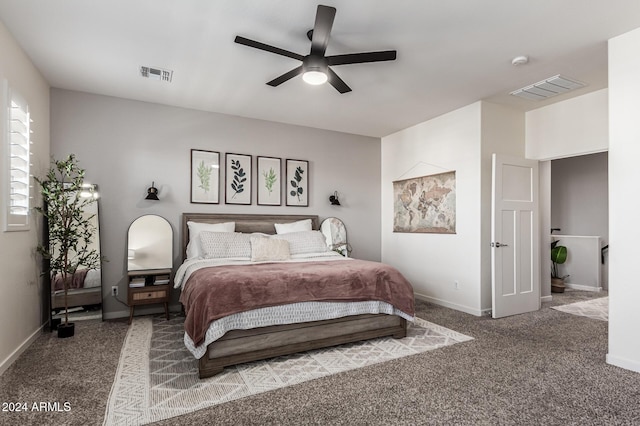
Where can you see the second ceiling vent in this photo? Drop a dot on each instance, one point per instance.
(156, 73)
(544, 89)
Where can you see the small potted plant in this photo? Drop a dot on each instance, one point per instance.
(70, 230)
(558, 257)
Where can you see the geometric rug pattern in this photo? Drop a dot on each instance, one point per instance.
(594, 308)
(157, 377)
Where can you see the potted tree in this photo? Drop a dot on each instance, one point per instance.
(558, 257)
(70, 229)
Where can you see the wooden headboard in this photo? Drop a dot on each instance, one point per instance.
(244, 222)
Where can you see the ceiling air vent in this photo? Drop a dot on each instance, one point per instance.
(547, 88)
(156, 74)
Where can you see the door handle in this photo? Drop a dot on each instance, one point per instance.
(498, 245)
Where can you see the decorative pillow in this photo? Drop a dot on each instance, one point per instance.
(269, 249)
(304, 242)
(301, 225)
(193, 248)
(221, 245)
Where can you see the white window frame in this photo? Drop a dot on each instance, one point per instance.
(17, 153)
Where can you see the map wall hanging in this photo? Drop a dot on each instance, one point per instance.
(425, 204)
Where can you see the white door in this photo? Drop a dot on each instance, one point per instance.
(515, 259)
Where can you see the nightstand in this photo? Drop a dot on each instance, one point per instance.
(147, 287)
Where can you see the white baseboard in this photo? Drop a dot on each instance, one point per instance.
(582, 287)
(115, 315)
(141, 310)
(455, 306)
(20, 349)
(627, 364)
(548, 298)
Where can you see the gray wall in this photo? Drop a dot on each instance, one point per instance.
(580, 195)
(125, 145)
(580, 198)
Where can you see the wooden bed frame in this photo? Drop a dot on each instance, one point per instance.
(239, 346)
(77, 298)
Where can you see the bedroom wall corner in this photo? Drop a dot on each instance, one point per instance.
(21, 286)
(434, 263)
(124, 145)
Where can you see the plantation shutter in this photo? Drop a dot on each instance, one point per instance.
(19, 131)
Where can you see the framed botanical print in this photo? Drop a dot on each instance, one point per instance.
(297, 183)
(269, 178)
(238, 178)
(205, 176)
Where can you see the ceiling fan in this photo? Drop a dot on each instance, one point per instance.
(315, 66)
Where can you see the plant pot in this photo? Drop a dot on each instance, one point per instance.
(66, 330)
(557, 285)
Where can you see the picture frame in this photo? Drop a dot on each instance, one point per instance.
(297, 183)
(269, 181)
(238, 178)
(205, 177)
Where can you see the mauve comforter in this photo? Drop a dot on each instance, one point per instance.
(73, 281)
(214, 292)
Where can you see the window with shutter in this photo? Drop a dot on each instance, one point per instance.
(18, 143)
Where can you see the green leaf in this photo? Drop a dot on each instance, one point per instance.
(270, 179)
(204, 175)
(559, 254)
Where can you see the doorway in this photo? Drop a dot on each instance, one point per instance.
(579, 203)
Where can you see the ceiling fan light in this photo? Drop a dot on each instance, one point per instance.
(314, 77)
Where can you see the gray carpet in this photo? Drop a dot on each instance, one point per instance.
(157, 378)
(546, 367)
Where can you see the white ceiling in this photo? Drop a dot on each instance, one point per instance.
(450, 53)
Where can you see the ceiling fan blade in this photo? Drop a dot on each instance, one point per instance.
(358, 58)
(286, 76)
(266, 47)
(321, 29)
(337, 82)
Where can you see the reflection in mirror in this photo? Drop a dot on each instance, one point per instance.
(335, 233)
(85, 288)
(149, 244)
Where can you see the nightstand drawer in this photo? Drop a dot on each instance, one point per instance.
(150, 295)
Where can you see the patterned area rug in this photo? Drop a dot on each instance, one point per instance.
(157, 377)
(594, 308)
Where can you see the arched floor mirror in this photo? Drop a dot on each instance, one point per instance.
(335, 233)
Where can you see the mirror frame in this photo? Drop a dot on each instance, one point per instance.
(48, 309)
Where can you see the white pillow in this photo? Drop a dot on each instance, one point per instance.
(221, 245)
(304, 242)
(193, 248)
(301, 225)
(269, 249)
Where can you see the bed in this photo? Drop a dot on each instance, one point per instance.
(85, 289)
(223, 328)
